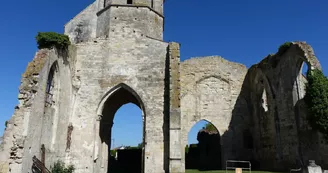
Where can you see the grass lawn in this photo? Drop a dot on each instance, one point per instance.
(223, 171)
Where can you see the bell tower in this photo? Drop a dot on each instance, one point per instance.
(145, 16)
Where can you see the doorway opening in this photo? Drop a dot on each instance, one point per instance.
(203, 151)
(122, 130)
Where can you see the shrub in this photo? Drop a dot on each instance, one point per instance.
(316, 98)
(283, 48)
(52, 39)
(113, 153)
(186, 149)
(210, 127)
(59, 167)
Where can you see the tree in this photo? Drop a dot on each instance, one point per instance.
(210, 127)
(316, 99)
(140, 145)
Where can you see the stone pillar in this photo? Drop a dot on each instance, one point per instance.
(176, 165)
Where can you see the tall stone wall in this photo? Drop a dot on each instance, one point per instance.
(25, 131)
(276, 87)
(126, 58)
(211, 91)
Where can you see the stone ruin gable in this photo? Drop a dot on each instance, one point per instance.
(210, 89)
(128, 59)
(22, 133)
(275, 91)
(11, 151)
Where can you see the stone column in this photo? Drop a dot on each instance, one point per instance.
(176, 165)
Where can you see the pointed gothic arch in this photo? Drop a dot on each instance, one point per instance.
(52, 86)
(113, 99)
(207, 153)
(51, 107)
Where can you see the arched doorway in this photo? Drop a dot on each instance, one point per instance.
(203, 151)
(126, 158)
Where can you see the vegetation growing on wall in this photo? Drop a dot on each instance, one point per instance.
(52, 39)
(316, 99)
(283, 48)
(59, 167)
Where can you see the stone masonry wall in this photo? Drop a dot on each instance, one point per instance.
(23, 131)
(281, 133)
(11, 150)
(51, 134)
(125, 57)
(140, 18)
(83, 27)
(210, 90)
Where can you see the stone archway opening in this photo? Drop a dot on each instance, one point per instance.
(203, 151)
(128, 157)
(300, 80)
(304, 69)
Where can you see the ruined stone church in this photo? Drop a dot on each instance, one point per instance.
(68, 99)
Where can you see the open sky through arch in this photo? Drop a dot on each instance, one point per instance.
(239, 31)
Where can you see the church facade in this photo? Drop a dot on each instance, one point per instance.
(68, 98)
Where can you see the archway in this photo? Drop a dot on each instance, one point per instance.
(51, 106)
(126, 158)
(203, 151)
(300, 80)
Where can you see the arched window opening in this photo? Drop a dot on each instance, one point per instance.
(265, 101)
(204, 149)
(300, 82)
(304, 69)
(122, 132)
(129, 1)
(51, 86)
(50, 114)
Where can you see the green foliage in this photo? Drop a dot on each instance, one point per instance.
(59, 167)
(316, 99)
(283, 48)
(113, 153)
(210, 127)
(52, 39)
(131, 148)
(186, 149)
(140, 145)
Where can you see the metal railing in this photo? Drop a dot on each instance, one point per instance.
(238, 161)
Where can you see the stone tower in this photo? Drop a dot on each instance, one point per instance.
(143, 15)
(104, 18)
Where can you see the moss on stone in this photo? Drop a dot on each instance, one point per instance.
(156, 20)
(141, 3)
(36, 65)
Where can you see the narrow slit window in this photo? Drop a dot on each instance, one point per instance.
(152, 3)
(129, 2)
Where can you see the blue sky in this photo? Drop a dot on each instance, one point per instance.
(240, 31)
